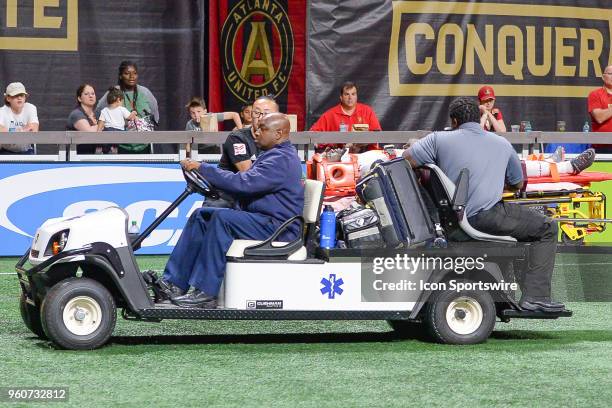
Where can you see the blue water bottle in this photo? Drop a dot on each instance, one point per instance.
(328, 228)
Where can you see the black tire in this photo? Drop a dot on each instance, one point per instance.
(468, 329)
(407, 329)
(31, 317)
(96, 308)
(565, 239)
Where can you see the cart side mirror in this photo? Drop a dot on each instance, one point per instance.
(461, 192)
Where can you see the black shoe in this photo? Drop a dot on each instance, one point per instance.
(197, 298)
(583, 160)
(541, 305)
(169, 289)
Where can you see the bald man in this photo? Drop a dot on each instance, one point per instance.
(600, 104)
(270, 192)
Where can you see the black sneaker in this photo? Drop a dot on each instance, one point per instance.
(169, 289)
(541, 305)
(583, 160)
(195, 299)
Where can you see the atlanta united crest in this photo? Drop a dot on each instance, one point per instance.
(257, 40)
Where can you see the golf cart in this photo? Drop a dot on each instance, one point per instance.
(81, 269)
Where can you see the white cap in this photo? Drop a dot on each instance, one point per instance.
(15, 88)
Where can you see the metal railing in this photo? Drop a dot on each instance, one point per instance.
(189, 141)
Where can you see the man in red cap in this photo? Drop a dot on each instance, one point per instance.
(490, 118)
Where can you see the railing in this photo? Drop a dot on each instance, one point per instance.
(188, 142)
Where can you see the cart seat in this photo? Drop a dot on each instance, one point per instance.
(472, 232)
(297, 250)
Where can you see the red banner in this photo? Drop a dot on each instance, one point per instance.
(257, 47)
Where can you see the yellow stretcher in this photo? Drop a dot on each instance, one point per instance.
(580, 212)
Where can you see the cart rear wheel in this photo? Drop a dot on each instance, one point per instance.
(79, 314)
(31, 317)
(465, 317)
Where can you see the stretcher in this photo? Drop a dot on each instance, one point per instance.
(569, 199)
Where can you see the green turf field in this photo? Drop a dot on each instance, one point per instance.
(562, 363)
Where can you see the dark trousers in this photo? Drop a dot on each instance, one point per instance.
(526, 226)
(198, 260)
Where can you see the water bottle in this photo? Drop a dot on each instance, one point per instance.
(586, 128)
(343, 127)
(328, 228)
(528, 127)
(133, 231)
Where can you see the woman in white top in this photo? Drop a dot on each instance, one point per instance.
(17, 115)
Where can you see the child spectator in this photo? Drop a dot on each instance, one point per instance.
(17, 115)
(197, 108)
(113, 117)
(491, 118)
(245, 115)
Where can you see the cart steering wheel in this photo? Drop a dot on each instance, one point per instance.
(197, 183)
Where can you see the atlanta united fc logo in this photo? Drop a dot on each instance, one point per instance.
(258, 49)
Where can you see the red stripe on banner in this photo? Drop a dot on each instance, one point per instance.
(215, 78)
(296, 100)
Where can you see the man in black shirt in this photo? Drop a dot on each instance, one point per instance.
(239, 150)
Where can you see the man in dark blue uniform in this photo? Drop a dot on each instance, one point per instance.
(269, 193)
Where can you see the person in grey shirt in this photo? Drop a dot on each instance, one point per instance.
(493, 163)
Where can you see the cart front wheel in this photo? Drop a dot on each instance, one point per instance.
(465, 317)
(79, 314)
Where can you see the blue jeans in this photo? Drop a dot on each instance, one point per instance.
(198, 260)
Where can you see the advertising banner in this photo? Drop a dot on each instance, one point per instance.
(257, 47)
(33, 193)
(54, 46)
(411, 58)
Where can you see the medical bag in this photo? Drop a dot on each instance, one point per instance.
(392, 189)
(339, 178)
(360, 227)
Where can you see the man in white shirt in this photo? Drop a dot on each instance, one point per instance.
(17, 115)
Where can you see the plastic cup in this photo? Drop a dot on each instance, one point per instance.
(515, 128)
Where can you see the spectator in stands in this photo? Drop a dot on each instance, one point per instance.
(114, 116)
(239, 150)
(245, 115)
(136, 98)
(83, 118)
(17, 115)
(345, 115)
(197, 108)
(600, 108)
(491, 118)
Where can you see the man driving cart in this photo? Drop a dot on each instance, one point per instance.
(268, 194)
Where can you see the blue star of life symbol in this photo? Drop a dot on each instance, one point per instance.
(331, 286)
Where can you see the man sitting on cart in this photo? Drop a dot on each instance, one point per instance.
(270, 192)
(492, 163)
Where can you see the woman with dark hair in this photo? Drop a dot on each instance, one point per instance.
(82, 118)
(136, 98)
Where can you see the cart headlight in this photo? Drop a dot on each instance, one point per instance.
(57, 243)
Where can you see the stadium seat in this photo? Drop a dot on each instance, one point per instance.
(297, 250)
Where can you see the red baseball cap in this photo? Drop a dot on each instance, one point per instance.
(486, 93)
